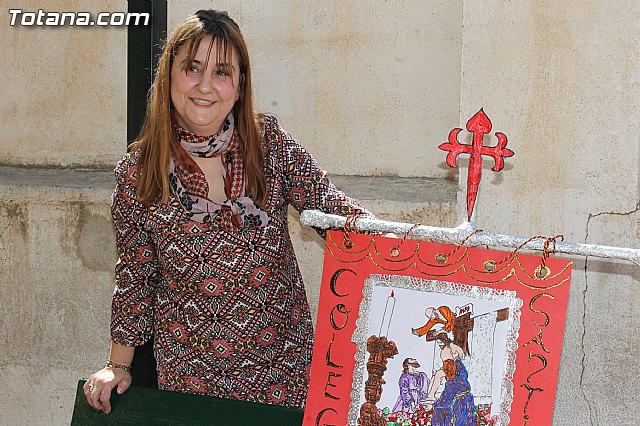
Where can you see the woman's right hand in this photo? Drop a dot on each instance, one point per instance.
(98, 387)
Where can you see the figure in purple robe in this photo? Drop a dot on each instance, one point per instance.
(455, 406)
(413, 387)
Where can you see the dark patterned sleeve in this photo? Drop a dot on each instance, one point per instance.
(136, 269)
(307, 184)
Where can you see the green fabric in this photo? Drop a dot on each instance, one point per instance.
(144, 406)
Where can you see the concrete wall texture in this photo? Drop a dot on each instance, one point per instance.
(564, 81)
(64, 89)
(390, 79)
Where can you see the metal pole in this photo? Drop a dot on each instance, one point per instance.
(144, 44)
(322, 220)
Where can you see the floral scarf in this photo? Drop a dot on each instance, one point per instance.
(191, 188)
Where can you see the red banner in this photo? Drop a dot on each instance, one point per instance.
(435, 334)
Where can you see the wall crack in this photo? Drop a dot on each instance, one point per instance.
(591, 216)
(583, 338)
(592, 410)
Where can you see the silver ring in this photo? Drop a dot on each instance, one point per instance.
(91, 387)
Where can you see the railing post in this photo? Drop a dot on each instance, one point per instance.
(144, 44)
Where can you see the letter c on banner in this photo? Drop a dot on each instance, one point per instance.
(321, 413)
(334, 280)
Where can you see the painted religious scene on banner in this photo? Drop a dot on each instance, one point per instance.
(421, 333)
(455, 347)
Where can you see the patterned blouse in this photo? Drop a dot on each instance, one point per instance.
(228, 310)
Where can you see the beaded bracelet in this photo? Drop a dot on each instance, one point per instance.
(111, 364)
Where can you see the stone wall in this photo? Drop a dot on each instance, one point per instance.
(64, 89)
(561, 78)
(56, 257)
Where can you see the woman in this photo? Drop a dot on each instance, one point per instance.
(206, 265)
(455, 406)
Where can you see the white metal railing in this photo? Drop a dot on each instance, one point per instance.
(455, 235)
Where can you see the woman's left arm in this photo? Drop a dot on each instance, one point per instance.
(307, 184)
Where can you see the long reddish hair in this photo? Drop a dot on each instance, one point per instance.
(157, 141)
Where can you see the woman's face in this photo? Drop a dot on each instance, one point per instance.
(203, 97)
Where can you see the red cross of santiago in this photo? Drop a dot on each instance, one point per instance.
(479, 125)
